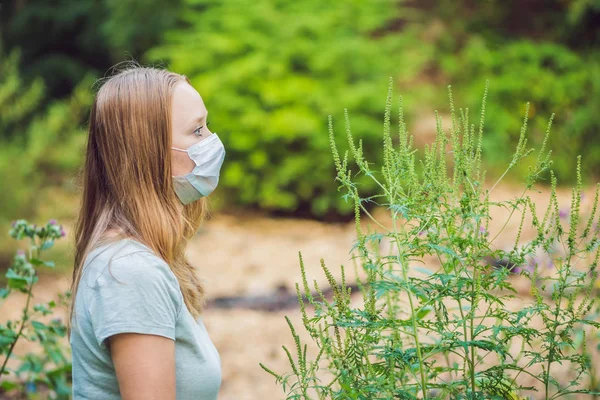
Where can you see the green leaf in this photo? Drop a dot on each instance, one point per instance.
(16, 281)
(47, 244)
(6, 340)
(443, 249)
(8, 385)
(37, 262)
(56, 356)
(423, 270)
(41, 308)
(422, 313)
(55, 373)
(38, 325)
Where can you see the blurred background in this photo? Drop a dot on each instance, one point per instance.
(270, 72)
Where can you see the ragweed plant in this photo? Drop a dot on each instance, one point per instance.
(49, 368)
(435, 320)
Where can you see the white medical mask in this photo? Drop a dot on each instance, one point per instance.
(208, 155)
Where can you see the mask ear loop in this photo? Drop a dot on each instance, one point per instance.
(209, 137)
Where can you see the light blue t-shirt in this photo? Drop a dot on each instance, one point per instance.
(125, 287)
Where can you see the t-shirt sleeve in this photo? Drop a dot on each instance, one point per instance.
(136, 293)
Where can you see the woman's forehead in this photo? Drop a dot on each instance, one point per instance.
(187, 105)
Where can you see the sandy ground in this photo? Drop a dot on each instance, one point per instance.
(247, 255)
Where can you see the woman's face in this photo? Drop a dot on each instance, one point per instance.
(188, 122)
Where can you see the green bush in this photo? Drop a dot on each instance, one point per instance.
(268, 70)
(38, 149)
(50, 368)
(434, 321)
(18, 100)
(63, 42)
(552, 77)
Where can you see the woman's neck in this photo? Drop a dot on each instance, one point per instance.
(111, 233)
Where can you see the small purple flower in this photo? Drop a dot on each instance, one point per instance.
(62, 232)
(562, 214)
(533, 261)
(516, 270)
(21, 252)
(421, 233)
(52, 222)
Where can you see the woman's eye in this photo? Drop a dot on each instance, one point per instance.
(200, 128)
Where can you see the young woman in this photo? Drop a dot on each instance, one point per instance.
(136, 330)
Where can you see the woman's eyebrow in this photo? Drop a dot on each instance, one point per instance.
(197, 120)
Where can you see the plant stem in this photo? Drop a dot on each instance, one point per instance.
(502, 176)
(25, 317)
(473, 304)
(474, 299)
(412, 312)
(372, 218)
(509, 216)
(25, 311)
(551, 350)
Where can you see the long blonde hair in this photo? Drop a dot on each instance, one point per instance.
(127, 184)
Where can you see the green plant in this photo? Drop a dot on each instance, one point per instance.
(443, 329)
(52, 366)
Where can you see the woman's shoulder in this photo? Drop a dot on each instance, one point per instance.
(124, 260)
(127, 288)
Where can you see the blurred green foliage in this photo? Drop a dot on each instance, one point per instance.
(571, 22)
(63, 41)
(271, 71)
(19, 100)
(270, 75)
(39, 148)
(550, 76)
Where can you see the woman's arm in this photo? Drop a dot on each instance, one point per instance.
(144, 365)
